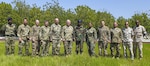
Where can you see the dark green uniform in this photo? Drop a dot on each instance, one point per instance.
(9, 38)
(79, 33)
(91, 37)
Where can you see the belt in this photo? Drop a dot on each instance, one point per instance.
(10, 35)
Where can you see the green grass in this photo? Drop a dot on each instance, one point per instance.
(73, 60)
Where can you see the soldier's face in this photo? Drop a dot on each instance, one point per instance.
(126, 24)
(37, 23)
(25, 21)
(68, 23)
(79, 23)
(10, 21)
(137, 23)
(90, 24)
(56, 21)
(115, 24)
(46, 23)
(102, 23)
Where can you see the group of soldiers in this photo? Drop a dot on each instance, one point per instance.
(41, 36)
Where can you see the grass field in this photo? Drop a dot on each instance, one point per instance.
(72, 60)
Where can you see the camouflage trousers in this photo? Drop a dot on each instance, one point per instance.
(24, 44)
(9, 45)
(45, 45)
(139, 46)
(130, 46)
(114, 46)
(102, 45)
(35, 47)
(79, 47)
(91, 46)
(56, 46)
(67, 47)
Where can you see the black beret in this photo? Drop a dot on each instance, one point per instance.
(9, 18)
(79, 21)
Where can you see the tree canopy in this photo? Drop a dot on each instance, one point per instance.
(19, 10)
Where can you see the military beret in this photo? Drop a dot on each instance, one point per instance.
(9, 18)
(79, 21)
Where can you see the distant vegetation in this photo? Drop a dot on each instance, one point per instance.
(18, 10)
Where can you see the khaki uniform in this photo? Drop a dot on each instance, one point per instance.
(45, 38)
(24, 34)
(67, 36)
(9, 38)
(128, 41)
(56, 38)
(79, 34)
(91, 37)
(103, 38)
(116, 39)
(35, 39)
(138, 31)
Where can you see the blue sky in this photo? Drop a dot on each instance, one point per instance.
(125, 8)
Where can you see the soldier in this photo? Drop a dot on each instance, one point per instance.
(79, 33)
(116, 39)
(67, 36)
(45, 38)
(128, 40)
(103, 38)
(56, 37)
(9, 30)
(35, 38)
(91, 38)
(139, 32)
(24, 36)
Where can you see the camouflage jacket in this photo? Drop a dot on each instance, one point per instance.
(103, 33)
(24, 31)
(79, 33)
(35, 30)
(67, 33)
(127, 34)
(116, 35)
(91, 34)
(9, 29)
(138, 33)
(44, 33)
(56, 31)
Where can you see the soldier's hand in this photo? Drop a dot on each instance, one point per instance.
(108, 41)
(20, 39)
(63, 39)
(32, 40)
(95, 41)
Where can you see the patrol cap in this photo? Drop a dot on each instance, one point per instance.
(9, 18)
(79, 21)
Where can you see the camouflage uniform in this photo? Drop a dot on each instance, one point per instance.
(138, 32)
(128, 41)
(35, 39)
(24, 34)
(79, 33)
(116, 39)
(103, 38)
(45, 38)
(9, 38)
(91, 37)
(56, 38)
(67, 36)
